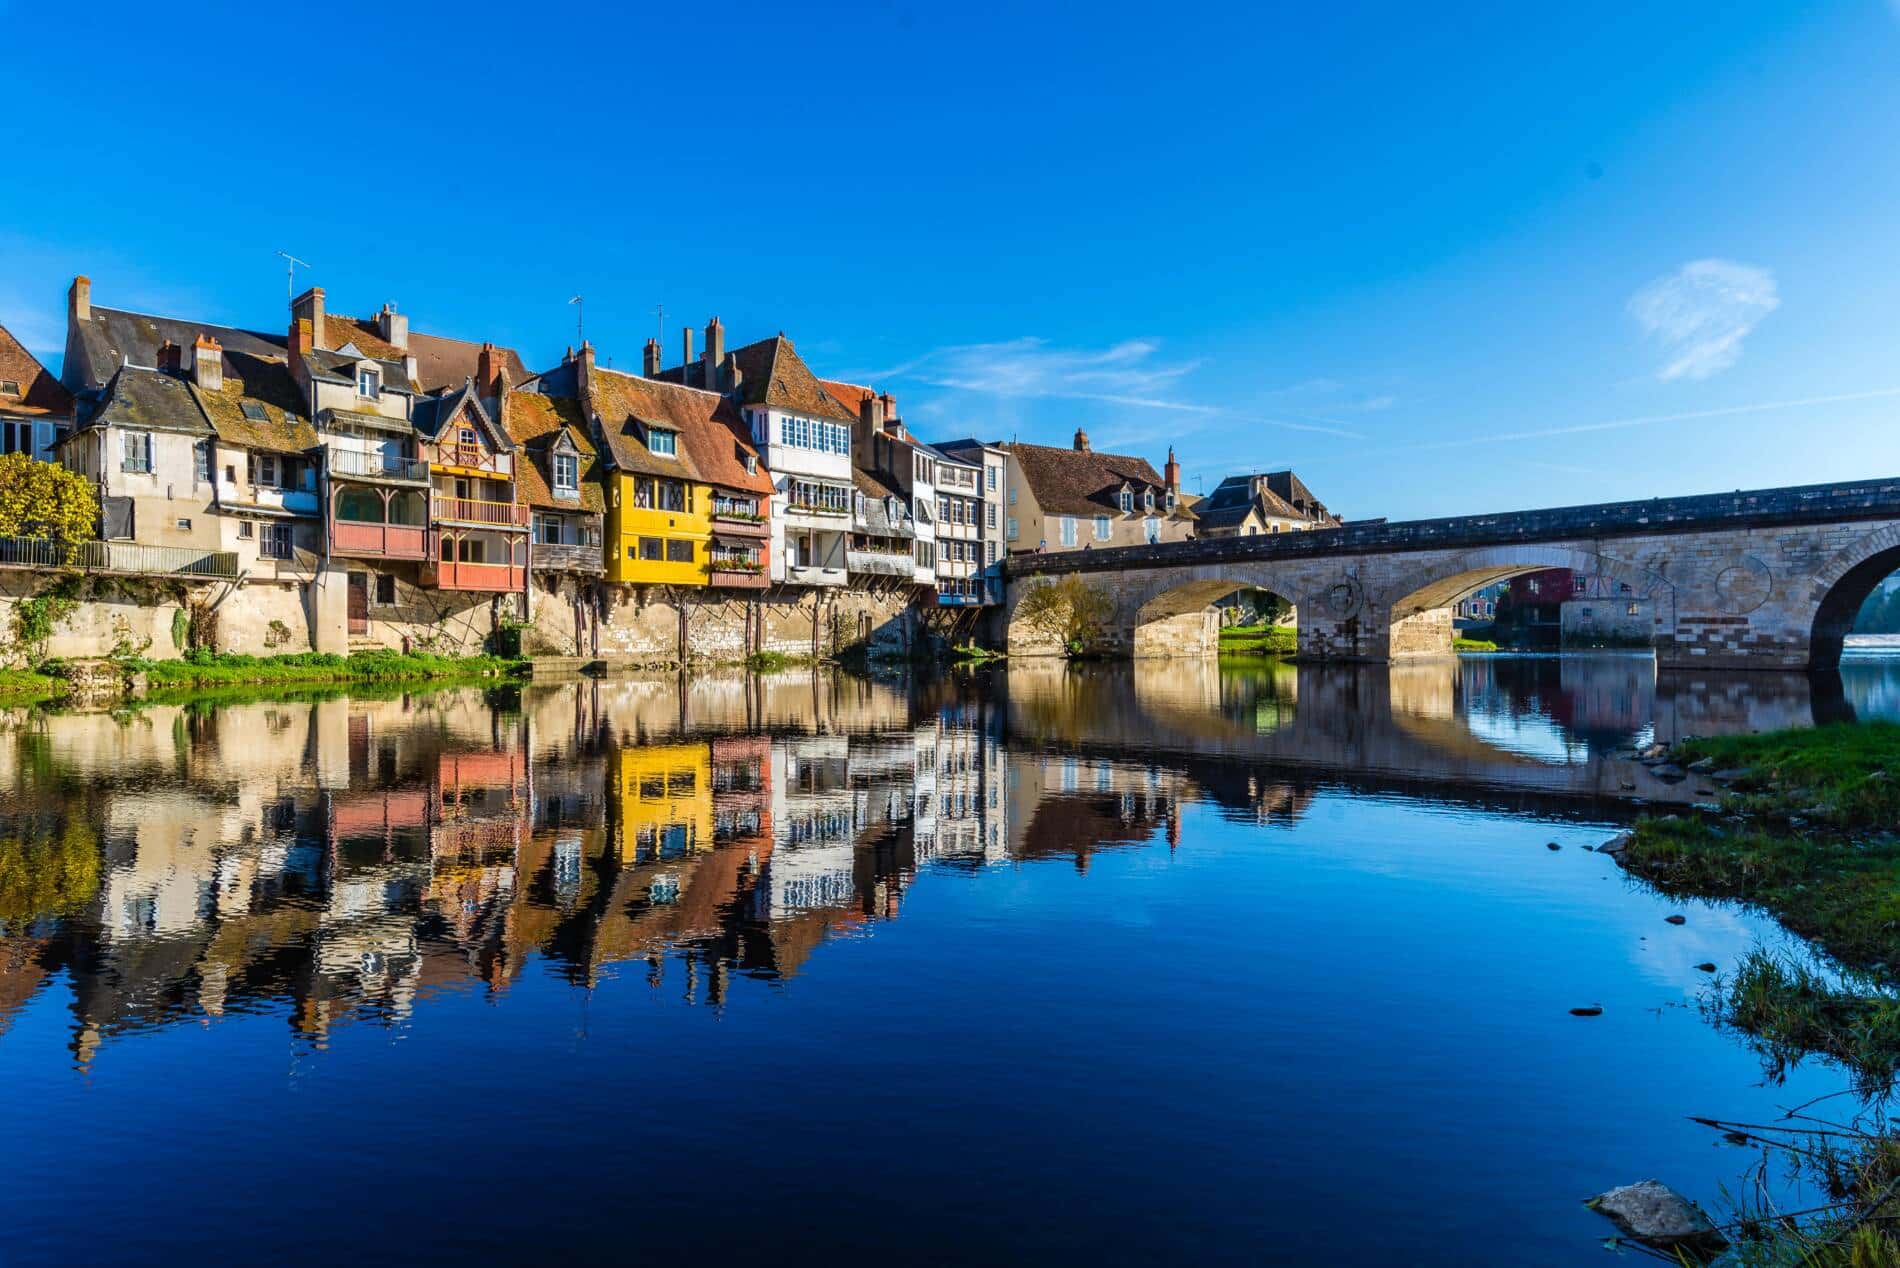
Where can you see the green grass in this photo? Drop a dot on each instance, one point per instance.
(23, 686)
(1259, 640)
(1808, 836)
(209, 670)
(1462, 644)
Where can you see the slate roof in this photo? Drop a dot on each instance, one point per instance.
(95, 348)
(875, 519)
(534, 422)
(1234, 498)
(266, 384)
(1085, 482)
(771, 373)
(443, 362)
(430, 413)
(40, 394)
(150, 400)
(332, 366)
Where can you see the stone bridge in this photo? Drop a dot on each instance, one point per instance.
(1769, 579)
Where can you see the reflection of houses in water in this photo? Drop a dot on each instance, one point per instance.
(1069, 806)
(963, 752)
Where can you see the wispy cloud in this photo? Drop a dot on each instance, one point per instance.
(1646, 420)
(1701, 313)
(1129, 373)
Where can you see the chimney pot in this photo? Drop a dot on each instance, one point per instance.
(393, 327)
(650, 359)
(1081, 440)
(715, 354)
(309, 307)
(686, 356)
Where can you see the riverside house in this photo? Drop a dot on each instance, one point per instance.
(36, 410)
(1071, 499)
(1261, 503)
(802, 435)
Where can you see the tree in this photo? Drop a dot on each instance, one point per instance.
(39, 499)
(1070, 610)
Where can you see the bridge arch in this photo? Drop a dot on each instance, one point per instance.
(1443, 582)
(1841, 586)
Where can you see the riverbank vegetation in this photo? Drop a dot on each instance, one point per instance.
(1259, 640)
(201, 669)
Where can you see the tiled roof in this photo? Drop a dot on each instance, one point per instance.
(1084, 482)
(112, 337)
(443, 362)
(771, 373)
(340, 332)
(431, 413)
(627, 405)
(150, 399)
(851, 395)
(264, 384)
(40, 393)
(535, 421)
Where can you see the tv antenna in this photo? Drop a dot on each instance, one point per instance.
(580, 319)
(291, 265)
(659, 317)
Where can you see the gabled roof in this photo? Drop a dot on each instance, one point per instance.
(431, 414)
(265, 385)
(343, 332)
(1085, 482)
(111, 337)
(537, 423)
(772, 374)
(40, 394)
(874, 517)
(443, 362)
(850, 395)
(628, 405)
(150, 400)
(336, 366)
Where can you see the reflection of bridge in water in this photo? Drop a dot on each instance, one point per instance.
(1547, 728)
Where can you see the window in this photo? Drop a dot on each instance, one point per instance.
(662, 442)
(1068, 530)
(1148, 499)
(1126, 500)
(989, 478)
(751, 461)
(245, 532)
(1012, 495)
(567, 475)
(138, 451)
(651, 548)
(679, 552)
(386, 590)
(1101, 528)
(9, 387)
(990, 513)
(369, 383)
(926, 554)
(275, 542)
(1152, 526)
(672, 495)
(989, 552)
(1009, 528)
(547, 530)
(1578, 581)
(264, 470)
(1632, 610)
(201, 462)
(253, 411)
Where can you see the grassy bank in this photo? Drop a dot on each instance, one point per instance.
(23, 686)
(1462, 644)
(210, 670)
(1259, 640)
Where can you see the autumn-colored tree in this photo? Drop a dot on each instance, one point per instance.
(39, 499)
(1070, 610)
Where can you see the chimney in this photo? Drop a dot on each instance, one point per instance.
(686, 357)
(1171, 474)
(887, 411)
(393, 327)
(715, 353)
(170, 358)
(651, 360)
(487, 367)
(207, 364)
(871, 415)
(79, 299)
(1081, 441)
(309, 307)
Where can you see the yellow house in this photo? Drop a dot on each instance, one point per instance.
(659, 505)
(663, 793)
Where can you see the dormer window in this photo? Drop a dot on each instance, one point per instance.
(1148, 500)
(662, 442)
(1127, 501)
(567, 475)
(9, 387)
(465, 437)
(369, 383)
(751, 461)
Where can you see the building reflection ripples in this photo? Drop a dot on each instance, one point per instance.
(342, 860)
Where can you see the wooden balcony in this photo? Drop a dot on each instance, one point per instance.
(549, 557)
(732, 576)
(503, 515)
(473, 459)
(489, 578)
(356, 464)
(378, 541)
(740, 525)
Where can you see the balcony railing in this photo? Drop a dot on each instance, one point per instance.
(880, 562)
(474, 458)
(566, 557)
(446, 575)
(475, 511)
(169, 561)
(378, 541)
(378, 466)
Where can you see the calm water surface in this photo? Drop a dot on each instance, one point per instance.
(1242, 963)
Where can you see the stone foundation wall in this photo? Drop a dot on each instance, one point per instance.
(659, 625)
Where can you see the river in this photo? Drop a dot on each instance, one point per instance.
(1242, 962)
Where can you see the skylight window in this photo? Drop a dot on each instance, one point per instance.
(9, 387)
(255, 412)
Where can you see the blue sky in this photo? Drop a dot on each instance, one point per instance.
(1438, 259)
